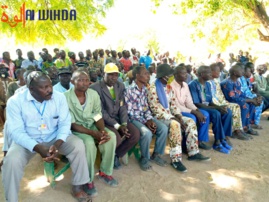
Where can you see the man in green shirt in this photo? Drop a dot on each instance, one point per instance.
(62, 61)
(88, 124)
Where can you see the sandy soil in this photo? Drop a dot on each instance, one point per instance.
(241, 176)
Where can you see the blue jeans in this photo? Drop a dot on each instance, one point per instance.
(146, 137)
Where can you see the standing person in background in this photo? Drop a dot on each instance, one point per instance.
(53, 74)
(62, 61)
(241, 58)
(82, 62)
(13, 86)
(5, 79)
(232, 59)
(114, 58)
(19, 60)
(56, 54)
(146, 59)
(133, 57)
(48, 63)
(88, 55)
(125, 60)
(9, 64)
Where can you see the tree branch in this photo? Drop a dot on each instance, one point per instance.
(262, 36)
(253, 23)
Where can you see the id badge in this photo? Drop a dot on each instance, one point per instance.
(43, 126)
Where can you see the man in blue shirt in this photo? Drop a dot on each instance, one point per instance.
(30, 61)
(39, 122)
(64, 84)
(146, 59)
(220, 116)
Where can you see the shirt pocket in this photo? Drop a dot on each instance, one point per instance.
(54, 122)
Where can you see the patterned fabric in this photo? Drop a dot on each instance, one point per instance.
(11, 67)
(175, 132)
(219, 99)
(95, 64)
(157, 109)
(233, 93)
(137, 103)
(258, 109)
(46, 65)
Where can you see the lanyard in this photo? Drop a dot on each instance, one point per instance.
(41, 113)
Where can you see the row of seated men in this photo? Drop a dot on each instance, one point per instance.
(39, 120)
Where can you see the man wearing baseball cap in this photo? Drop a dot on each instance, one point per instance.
(64, 84)
(114, 111)
(162, 104)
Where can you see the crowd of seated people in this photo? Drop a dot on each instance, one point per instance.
(114, 101)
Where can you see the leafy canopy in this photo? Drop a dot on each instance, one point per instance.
(221, 22)
(88, 15)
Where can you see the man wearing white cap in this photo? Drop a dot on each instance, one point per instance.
(114, 111)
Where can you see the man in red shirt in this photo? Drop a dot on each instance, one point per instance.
(125, 60)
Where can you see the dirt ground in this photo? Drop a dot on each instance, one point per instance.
(241, 176)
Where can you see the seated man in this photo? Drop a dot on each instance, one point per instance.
(13, 86)
(262, 85)
(114, 111)
(219, 99)
(162, 104)
(42, 126)
(220, 116)
(246, 89)
(5, 79)
(88, 124)
(64, 84)
(140, 115)
(231, 89)
(184, 102)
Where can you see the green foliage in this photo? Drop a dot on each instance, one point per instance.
(153, 45)
(220, 22)
(180, 58)
(88, 13)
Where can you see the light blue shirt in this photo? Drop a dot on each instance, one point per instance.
(58, 87)
(26, 63)
(24, 120)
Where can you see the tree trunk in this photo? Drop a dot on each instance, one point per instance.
(262, 16)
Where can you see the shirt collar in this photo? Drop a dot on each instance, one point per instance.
(134, 85)
(110, 87)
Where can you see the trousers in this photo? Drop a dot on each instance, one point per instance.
(18, 157)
